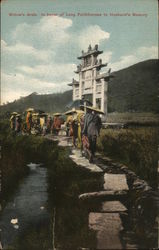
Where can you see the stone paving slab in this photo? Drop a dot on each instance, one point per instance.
(107, 194)
(82, 161)
(107, 227)
(115, 182)
(113, 206)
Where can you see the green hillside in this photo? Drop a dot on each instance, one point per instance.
(48, 103)
(134, 89)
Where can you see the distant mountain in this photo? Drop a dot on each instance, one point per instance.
(48, 103)
(135, 88)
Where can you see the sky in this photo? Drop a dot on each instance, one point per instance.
(41, 40)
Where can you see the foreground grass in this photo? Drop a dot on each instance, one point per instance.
(136, 147)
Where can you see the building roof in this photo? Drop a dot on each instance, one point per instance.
(90, 51)
(74, 82)
(99, 65)
(85, 54)
(104, 75)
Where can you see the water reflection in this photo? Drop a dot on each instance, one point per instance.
(23, 215)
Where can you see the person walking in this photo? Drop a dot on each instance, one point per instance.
(18, 126)
(56, 126)
(29, 121)
(74, 130)
(49, 124)
(92, 126)
(80, 119)
(13, 121)
(68, 125)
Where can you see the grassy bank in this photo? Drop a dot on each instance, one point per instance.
(137, 148)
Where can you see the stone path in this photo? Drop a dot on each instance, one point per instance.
(108, 227)
(106, 223)
(115, 182)
(113, 206)
(77, 157)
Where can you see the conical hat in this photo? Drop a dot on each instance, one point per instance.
(93, 109)
(30, 110)
(57, 114)
(14, 113)
(72, 111)
(35, 114)
(79, 111)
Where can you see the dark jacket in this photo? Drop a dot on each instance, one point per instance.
(92, 124)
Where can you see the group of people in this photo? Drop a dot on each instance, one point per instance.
(82, 125)
(35, 123)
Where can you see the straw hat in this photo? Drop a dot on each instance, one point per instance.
(30, 110)
(57, 114)
(79, 111)
(14, 113)
(72, 111)
(35, 114)
(93, 109)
